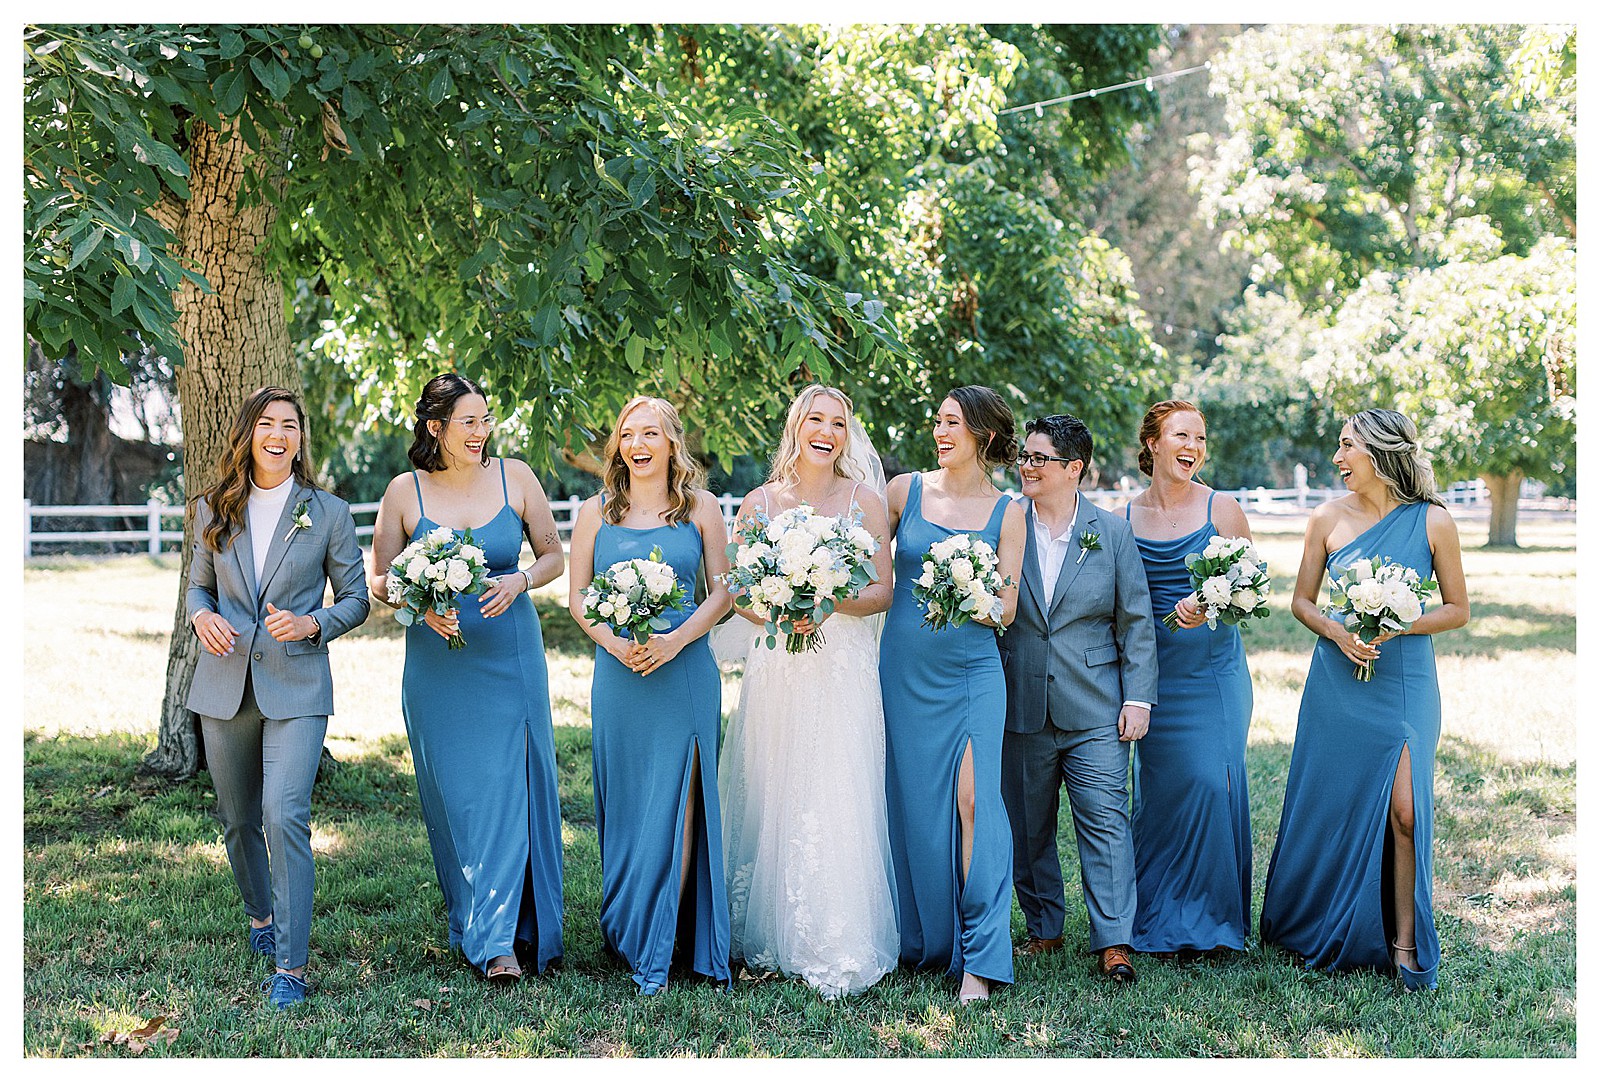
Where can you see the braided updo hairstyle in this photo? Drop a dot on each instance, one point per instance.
(1397, 456)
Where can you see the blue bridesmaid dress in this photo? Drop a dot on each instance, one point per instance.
(944, 690)
(646, 732)
(485, 756)
(1328, 893)
(1191, 805)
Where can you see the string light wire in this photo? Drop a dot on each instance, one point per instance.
(1148, 82)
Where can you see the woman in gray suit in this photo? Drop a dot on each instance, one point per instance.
(268, 540)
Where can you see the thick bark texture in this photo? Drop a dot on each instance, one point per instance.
(236, 340)
(1504, 489)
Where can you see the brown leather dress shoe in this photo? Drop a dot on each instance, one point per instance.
(1035, 945)
(1117, 966)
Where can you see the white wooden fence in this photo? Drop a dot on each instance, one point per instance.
(162, 524)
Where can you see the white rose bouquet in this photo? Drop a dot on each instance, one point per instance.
(1230, 583)
(432, 571)
(1376, 595)
(631, 595)
(960, 579)
(799, 564)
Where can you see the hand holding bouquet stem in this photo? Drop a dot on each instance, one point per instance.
(434, 570)
(1230, 581)
(1377, 597)
(792, 569)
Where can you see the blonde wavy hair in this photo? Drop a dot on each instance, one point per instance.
(1397, 455)
(785, 463)
(684, 474)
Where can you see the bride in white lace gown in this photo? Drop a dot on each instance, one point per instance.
(810, 880)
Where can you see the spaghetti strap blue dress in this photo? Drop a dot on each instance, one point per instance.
(942, 691)
(648, 731)
(1191, 803)
(1328, 895)
(481, 739)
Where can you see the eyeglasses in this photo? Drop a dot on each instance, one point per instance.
(486, 422)
(1037, 460)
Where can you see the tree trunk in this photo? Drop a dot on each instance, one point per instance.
(1504, 489)
(236, 339)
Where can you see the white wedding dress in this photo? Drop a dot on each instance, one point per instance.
(803, 816)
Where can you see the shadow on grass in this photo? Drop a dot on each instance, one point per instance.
(129, 912)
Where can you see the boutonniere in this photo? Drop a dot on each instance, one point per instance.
(301, 518)
(1088, 541)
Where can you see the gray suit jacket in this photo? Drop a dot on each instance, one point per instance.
(290, 679)
(1081, 653)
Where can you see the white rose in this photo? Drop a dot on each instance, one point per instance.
(605, 608)
(1247, 568)
(928, 578)
(436, 570)
(961, 571)
(441, 534)
(660, 583)
(751, 555)
(1214, 592)
(776, 591)
(863, 540)
(1366, 596)
(1213, 548)
(472, 553)
(417, 569)
(1246, 600)
(1360, 570)
(457, 575)
(943, 550)
(625, 577)
(1407, 607)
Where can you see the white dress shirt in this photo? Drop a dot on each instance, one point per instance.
(265, 508)
(1053, 557)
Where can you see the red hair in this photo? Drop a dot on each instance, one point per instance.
(1150, 428)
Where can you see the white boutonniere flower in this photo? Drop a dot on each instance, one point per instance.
(1088, 541)
(301, 518)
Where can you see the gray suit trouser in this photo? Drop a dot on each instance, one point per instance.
(1094, 765)
(263, 770)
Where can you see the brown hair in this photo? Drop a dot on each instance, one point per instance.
(989, 419)
(1150, 428)
(788, 453)
(684, 474)
(436, 403)
(230, 494)
(1397, 456)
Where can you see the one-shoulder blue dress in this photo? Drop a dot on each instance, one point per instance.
(1328, 897)
(481, 739)
(647, 730)
(944, 690)
(1191, 804)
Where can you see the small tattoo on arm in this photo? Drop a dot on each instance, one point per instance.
(552, 540)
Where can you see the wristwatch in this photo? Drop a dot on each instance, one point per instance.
(315, 638)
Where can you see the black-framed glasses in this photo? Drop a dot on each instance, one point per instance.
(1037, 460)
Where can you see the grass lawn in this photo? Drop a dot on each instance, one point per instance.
(130, 912)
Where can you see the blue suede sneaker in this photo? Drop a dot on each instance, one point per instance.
(285, 990)
(264, 941)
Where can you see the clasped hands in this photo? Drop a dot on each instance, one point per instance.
(495, 600)
(1353, 646)
(645, 658)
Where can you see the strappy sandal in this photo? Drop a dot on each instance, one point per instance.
(1400, 969)
(502, 973)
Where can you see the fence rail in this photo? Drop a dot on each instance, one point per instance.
(153, 532)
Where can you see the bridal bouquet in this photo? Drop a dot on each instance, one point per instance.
(1230, 583)
(960, 579)
(432, 571)
(798, 564)
(631, 595)
(1375, 595)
